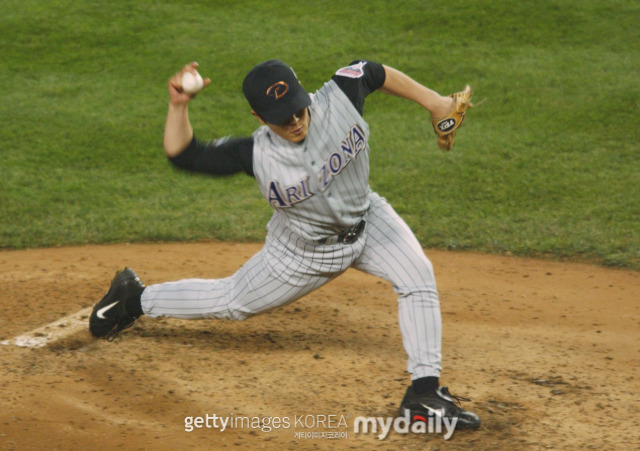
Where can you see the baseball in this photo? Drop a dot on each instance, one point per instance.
(192, 84)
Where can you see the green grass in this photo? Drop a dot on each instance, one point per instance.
(548, 165)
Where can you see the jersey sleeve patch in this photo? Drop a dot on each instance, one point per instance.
(353, 71)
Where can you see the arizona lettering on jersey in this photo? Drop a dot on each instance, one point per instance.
(349, 149)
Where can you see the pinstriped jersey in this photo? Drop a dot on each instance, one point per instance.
(318, 187)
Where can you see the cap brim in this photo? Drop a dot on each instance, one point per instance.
(294, 104)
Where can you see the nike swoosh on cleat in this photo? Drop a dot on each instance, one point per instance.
(103, 310)
(437, 412)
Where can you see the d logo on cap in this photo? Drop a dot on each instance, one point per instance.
(278, 89)
(274, 92)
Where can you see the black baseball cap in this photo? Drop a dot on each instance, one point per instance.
(274, 92)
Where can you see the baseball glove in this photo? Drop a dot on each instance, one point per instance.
(446, 127)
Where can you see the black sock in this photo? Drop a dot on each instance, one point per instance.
(134, 305)
(425, 384)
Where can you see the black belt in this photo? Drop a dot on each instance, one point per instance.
(351, 235)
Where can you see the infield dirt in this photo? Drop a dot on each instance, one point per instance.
(547, 351)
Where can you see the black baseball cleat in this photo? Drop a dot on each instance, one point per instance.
(437, 402)
(110, 315)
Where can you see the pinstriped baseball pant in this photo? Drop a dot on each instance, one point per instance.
(289, 267)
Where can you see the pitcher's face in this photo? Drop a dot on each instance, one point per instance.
(294, 129)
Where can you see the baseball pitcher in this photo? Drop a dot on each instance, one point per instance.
(310, 159)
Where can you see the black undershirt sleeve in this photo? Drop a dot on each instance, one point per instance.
(219, 157)
(359, 82)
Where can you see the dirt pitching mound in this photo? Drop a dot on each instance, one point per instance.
(548, 352)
